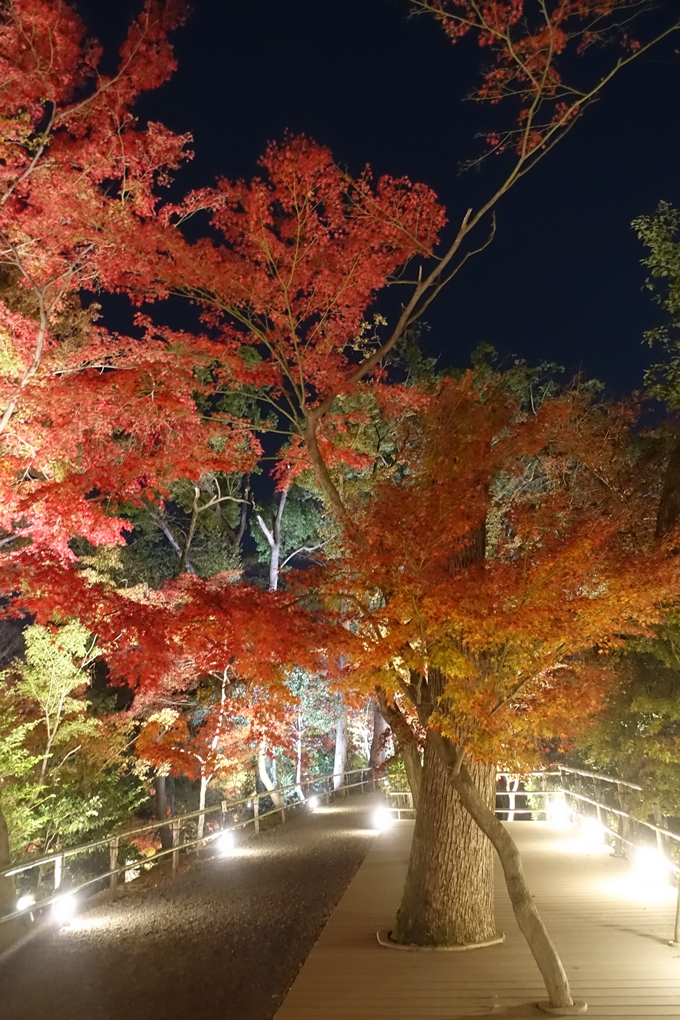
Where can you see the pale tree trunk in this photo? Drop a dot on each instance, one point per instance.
(340, 760)
(464, 780)
(273, 537)
(380, 729)
(448, 898)
(162, 811)
(269, 786)
(404, 741)
(298, 765)
(201, 806)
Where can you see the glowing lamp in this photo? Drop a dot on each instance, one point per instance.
(558, 812)
(24, 902)
(63, 909)
(225, 843)
(382, 819)
(312, 803)
(650, 867)
(592, 832)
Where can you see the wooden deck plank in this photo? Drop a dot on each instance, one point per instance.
(611, 933)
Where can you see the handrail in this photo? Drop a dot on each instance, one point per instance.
(113, 839)
(15, 869)
(597, 775)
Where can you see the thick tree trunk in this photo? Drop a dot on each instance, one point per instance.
(340, 760)
(448, 896)
(162, 811)
(380, 728)
(465, 782)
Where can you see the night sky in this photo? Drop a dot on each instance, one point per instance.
(562, 280)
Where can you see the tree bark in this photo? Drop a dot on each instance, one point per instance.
(340, 760)
(465, 782)
(201, 806)
(668, 513)
(404, 741)
(162, 812)
(10, 931)
(448, 898)
(277, 799)
(380, 728)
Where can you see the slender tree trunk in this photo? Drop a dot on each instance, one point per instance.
(201, 806)
(162, 812)
(277, 799)
(298, 765)
(380, 728)
(340, 760)
(10, 930)
(405, 743)
(449, 892)
(465, 782)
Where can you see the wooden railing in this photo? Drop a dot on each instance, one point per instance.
(324, 787)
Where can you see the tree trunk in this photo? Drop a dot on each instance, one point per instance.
(201, 806)
(162, 812)
(380, 728)
(405, 743)
(449, 892)
(668, 513)
(298, 764)
(465, 782)
(340, 760)
(277, 799)
(10, 931)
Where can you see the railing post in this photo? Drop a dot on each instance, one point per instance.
(224, 813)
(283, 808)
(175, 852)
(326, 784)
(113, 867)
(58, 872)
(661, 840)
(676, 933)
(626, 826)
(256, 813)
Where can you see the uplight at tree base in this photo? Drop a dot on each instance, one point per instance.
(64, 909)
(225, 843)
(382, 819)
(651, 867)
(312, 803)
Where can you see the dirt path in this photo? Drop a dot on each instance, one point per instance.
(224, 940)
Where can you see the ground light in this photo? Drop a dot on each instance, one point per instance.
(225, 843)
(592, 832)
(382, 819)
(64, 909)
(24, 902)
(558, 812)
(312, 803)
(651, 867)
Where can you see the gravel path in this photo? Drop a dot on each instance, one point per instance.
(224, 940)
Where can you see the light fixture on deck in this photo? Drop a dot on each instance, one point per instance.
(592, 832)
(651, 867)
(557, 811)
(382, 819)
(312, 803)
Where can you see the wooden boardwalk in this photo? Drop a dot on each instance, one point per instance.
(612, 934)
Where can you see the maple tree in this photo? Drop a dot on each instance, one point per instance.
(506, 551)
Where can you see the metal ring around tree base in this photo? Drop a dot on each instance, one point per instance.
(576, 1009)
(385, 939)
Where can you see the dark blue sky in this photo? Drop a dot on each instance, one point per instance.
(562, 280)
